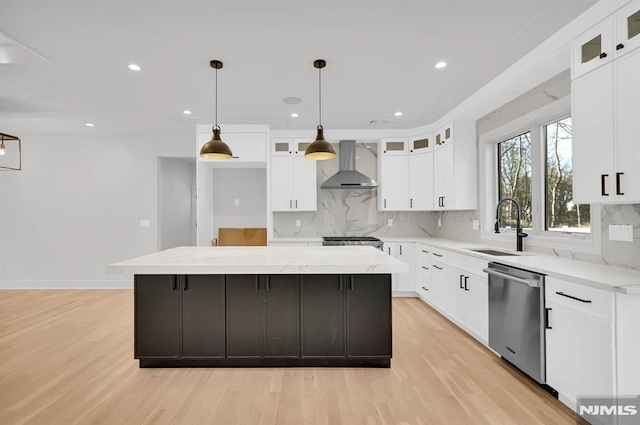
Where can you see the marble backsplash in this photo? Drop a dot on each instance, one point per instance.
(613, 253)
(352, 212)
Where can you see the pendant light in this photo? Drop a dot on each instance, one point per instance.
(11, 156)
(216, 148)
(320, 149)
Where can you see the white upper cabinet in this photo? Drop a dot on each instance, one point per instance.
(627, 28)
(420, 144)
(393, 181)
(454, 167)
(606, 123)
(293, 177)
(405, 174)
(394, 146)
(593, 48)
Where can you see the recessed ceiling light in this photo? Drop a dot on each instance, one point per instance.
(134, 67)
(398, 114)
(89, 124)
(440, 65)
(186, 112)
(294, 115)
(292, 100)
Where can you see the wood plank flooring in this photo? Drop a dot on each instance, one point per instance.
(66, 357)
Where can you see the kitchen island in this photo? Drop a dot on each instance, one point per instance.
(262, 306)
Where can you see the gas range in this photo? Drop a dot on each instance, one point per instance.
(352, 240)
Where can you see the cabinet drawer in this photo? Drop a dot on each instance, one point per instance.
(467, 263)
(423, 287)
(579, 297)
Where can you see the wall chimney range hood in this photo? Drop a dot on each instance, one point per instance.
(347, 177)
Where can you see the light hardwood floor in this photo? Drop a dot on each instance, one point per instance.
(66, 357)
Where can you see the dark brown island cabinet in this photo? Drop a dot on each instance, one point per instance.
(275, 320)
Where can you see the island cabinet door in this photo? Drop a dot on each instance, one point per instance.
(244, 316)
(157, 317)
(282, 316)
(203, 313)
(369, 316)
(323, 314)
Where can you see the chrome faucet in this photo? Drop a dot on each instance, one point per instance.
(519, 233)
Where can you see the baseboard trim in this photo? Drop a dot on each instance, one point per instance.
(67, 284)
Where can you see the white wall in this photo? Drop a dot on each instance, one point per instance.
(76, 206)
(176, 210)
(248, 185)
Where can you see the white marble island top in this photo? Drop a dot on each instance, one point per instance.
(263, 260)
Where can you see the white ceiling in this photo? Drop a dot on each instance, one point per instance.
(70, 60)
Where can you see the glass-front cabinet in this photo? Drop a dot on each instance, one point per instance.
(627, 26)
(394, 146)
(593, 48)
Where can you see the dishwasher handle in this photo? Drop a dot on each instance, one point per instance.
(533, 283)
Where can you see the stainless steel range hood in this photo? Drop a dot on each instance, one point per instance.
(348, 177)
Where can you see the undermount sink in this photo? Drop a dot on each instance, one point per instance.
(491, 252)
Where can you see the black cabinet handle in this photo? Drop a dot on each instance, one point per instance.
(426, 252)
(400, 249)
(618, 192)
(461, 276)
(426, 268)
(437, 255)
(603, 183)
(439, 268)
(426, 289)
(389, 250)
(546, 318)
(603, 55)
(620, 46)
(562, 294)
(411, 200)
(290, 204)
(466, 283)
(296, 204)
(385, 203)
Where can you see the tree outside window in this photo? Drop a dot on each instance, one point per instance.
(514, 179)
(562, 214)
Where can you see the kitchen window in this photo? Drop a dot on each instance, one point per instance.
(530, 160)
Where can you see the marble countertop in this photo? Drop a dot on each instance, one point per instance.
(262, 260)
(594, 275)
(589, 274)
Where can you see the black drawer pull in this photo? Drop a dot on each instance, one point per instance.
(618, 191)
(603, 183)
(546, 318)
(426, 268)
(426, 252)
(437, 255)
(620, 46)
(426, 289)
(439, 268)
(466, 283)
(573, 298)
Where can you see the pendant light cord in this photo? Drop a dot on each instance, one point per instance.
(320, 94)
(216, 102)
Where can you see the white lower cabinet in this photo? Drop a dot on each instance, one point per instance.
(439, 292)
(579, 341)
(423, 272)
(628, 343)
(469, 302)
(403, 251)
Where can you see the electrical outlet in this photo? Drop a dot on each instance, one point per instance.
(621, 232)
(145, 223)
(475, 225)
(298, 224)
(236, 202)
(390, 222)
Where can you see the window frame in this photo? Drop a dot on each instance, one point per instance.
(538, 236)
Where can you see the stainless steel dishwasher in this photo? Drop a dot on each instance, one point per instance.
(516, 318)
